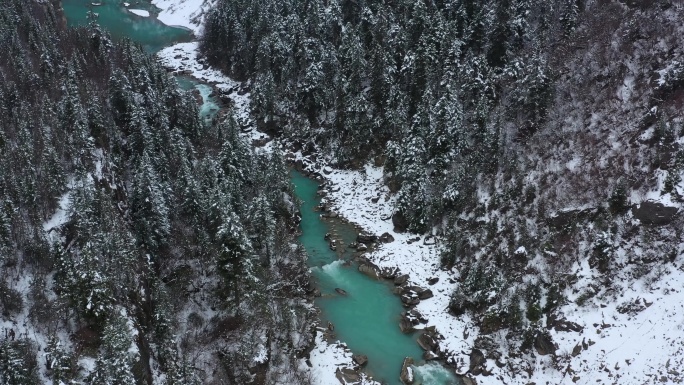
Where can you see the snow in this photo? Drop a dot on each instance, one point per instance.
(140, 12)
(61, 216)
(183, 13)
(326, 358)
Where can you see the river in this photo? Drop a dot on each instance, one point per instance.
(367, 318)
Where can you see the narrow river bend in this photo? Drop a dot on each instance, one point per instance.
(367, 318)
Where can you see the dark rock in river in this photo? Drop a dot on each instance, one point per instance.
(340, 291)
(406, 375)
(429, 355)
(427, 341)
(368, 270)
(360, 359)
(405, 325)
(654, 213)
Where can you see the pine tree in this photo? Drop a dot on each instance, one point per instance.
(115, 360)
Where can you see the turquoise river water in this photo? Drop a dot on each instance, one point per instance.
(367, 318)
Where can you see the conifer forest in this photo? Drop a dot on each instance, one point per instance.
(506, 174)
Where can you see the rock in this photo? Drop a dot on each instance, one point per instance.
(406, 375)
(333, 245)
(327, 236)
(366, 238)
(375, 199)
(429, 240)
(477, 358)
(361, 247)
(654, 213)
(467, 380)
(386, 238)
(432, 281)
(369, 270)
(400, 280)
(569, 218)
(399, 221)
(317, 293)
(410, 299)
(405, 325)
(429, 355)
(577, 350)
(340, 291)
(544, 345)
(389, 273)
(327, 170)
(331, 327)
(425, 294)
(360, 359)
(347, 376)
(427, 342)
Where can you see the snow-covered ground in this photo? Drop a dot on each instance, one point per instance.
(326, 358)
(183, 13)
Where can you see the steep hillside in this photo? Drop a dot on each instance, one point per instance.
(138, 243)
(539, 140)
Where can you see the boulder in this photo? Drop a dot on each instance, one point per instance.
(425, 294)
(368, 270)
(405, 325)
(347, 376)
(654, 213)
(406, 375)
(386, 238)
(361, 247)
(429, 355)
(467, 380)
(544, 345)
(429, 240)
(432, 281)
(389, 273)
(360, 359)
(477, 359)
(399, 221)
(410, 299)
(366, 238)
(333, 245)
(340, 291)
(427, 341)
(400, 280)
